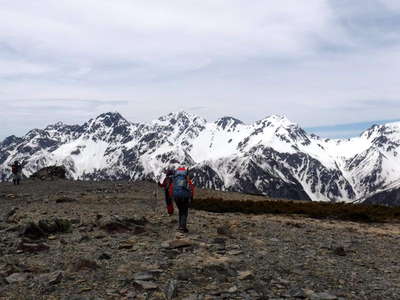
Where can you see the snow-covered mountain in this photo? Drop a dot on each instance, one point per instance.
(273, 156)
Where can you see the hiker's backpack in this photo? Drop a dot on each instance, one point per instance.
(14, 169)
(181, 185)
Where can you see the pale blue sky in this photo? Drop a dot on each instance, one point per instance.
(319, 62)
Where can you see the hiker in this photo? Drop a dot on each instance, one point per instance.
(167, 185)
(16, 169)
(182, 191)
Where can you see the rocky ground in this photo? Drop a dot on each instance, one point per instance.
(86, 240)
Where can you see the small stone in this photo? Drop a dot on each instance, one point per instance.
(339, 251)
(100, 236)
(170, 291)
(124, 246)
(174, 244)
(10, 214)
(143, 276)
(16, 277)
(223, 230)
(65, 199)
(104, 256)
(323, 296)
(84, 264)
(219, 241)
(33, 247)
(233, 290)
(184, 275)
(147, 285)
(235, 252)
(84, 238)
(55, 277)
(52, 237)
(245, 275)
(131, 295)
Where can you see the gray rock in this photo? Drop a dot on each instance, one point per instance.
(339, 251)
(104, 256)
(55, 277)
(144, 276)
(147, 285)
(171, 289)
(322, 296)
(16, 277)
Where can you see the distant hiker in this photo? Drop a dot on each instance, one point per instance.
(182, 191)
(167, 185)
(16, 169)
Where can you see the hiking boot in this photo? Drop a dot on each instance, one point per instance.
(183, 229)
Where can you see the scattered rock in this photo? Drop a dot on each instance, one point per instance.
(322, 296)
(55, 277)
(223, 230)
(219, 241)
(16, 277)
(33, 231)
(9, 214)
(232, 289)
(44, 227)
(184, 274)
(104, 256)
(32, 247)
(84, 238)
(116, 224)
(235, 252)
(171, 289)
(65, 199)
(339, 251)
(143, 276)
(84, 264)
(174, 244)
(246, 275)
(146, 285)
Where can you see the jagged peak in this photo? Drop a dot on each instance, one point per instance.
(10, 139)
(181, 115)
(110, 119)
(276, 121)
(57, 125)
(228, 121)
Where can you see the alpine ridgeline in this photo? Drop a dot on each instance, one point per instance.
(273, 156)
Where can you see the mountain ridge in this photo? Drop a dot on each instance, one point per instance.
(272, 156)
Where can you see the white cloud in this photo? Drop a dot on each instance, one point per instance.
(246, 59)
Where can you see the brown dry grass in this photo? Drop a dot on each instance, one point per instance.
(318, 210)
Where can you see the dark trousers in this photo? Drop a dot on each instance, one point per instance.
(168, 202)
(183, 207)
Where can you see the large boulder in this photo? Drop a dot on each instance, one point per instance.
(50, 173)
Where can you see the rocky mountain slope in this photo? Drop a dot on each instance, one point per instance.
(112, 240)
(273, 156)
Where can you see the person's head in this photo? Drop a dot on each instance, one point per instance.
(16, 162)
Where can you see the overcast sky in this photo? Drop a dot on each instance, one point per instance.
(320, 63)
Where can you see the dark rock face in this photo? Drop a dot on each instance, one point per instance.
(228, 123)
(50, 173)
(390, 198)
(206, 177)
